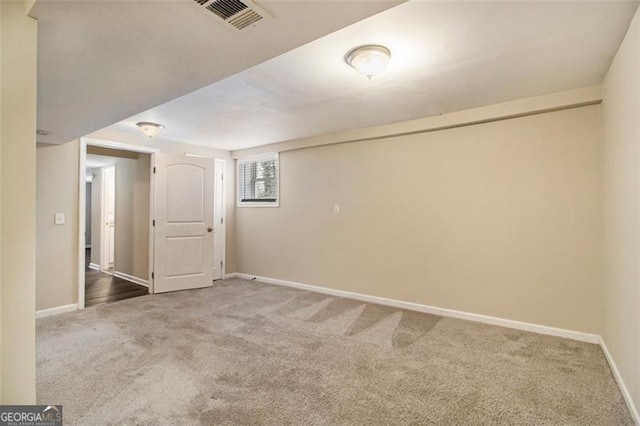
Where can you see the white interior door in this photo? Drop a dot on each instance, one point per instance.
(218, 220)
(183, 223)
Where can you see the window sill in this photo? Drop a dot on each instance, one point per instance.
(257, 205)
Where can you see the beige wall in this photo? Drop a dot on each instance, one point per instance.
(18, 58)
(621, 296)
(125, 179)
(501, 219)
(1, 190)
(141, 191)
(132, 216)
(96, 214)
(56, 264)
(87, 213)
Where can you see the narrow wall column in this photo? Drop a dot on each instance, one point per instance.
(18, 78)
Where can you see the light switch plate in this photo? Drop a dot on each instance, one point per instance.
(336, 208)
(58, 218)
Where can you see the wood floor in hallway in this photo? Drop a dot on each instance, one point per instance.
(101, 287)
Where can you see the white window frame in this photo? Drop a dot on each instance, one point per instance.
(253, 159)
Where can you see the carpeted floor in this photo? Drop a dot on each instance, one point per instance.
(244, 352)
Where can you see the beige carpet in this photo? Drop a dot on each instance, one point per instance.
(244, 352)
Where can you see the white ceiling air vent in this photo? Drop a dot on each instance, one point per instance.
(239, 14)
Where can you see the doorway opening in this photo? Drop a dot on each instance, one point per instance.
(184, 220)
(117, 232)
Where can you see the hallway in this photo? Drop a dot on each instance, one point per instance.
(101, 287)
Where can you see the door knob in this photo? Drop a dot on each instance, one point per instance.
(209, 229)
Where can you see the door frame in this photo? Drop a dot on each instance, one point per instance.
(84, 142)
(222, 163)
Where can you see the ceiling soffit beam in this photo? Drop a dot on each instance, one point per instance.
(585, 96)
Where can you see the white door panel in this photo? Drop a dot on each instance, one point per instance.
(184, 223)
(184, 256)
(185, 190)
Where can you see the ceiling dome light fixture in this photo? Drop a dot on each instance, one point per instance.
(150, 129)
(370, 60)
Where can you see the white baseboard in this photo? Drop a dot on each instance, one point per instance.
(535, 328)
(57, 310)
(94, 266)
(633, 410)
(131, 278)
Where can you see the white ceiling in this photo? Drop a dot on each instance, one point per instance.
(446, 56)
(102, 61)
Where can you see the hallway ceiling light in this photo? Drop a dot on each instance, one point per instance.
(150, 129)
(370, 60)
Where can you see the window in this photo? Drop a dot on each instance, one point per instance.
(258, 181)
